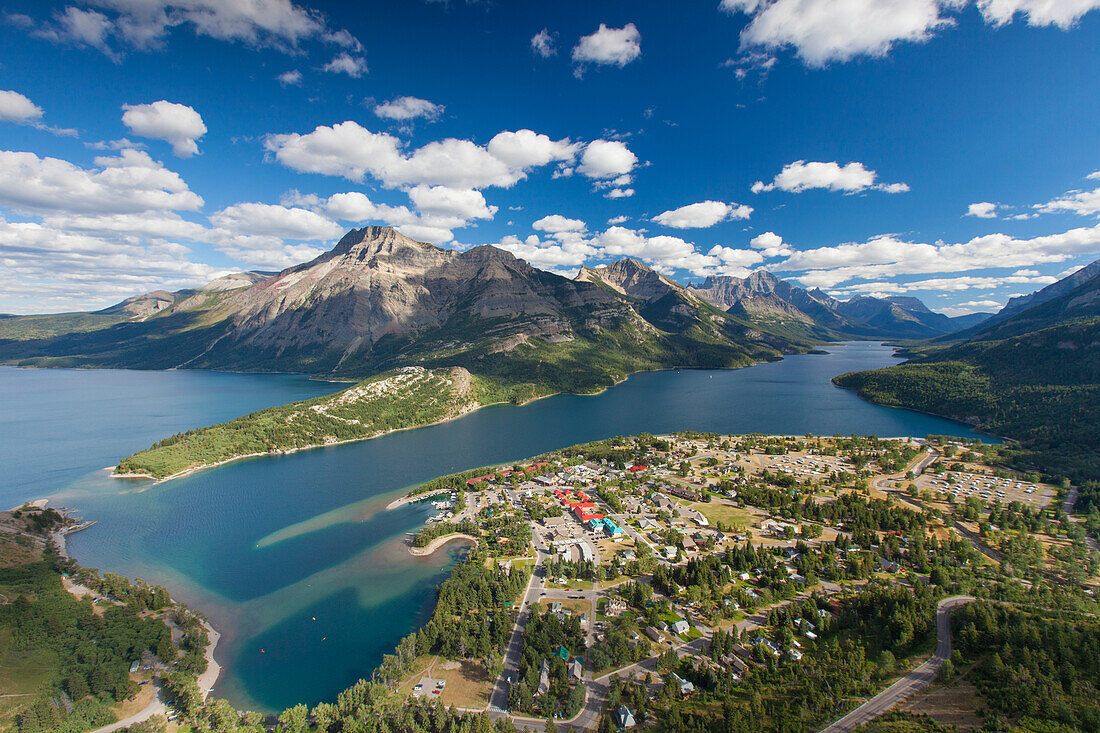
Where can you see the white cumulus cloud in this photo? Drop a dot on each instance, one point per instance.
(770, 244)
(14, 107)
(825, 31)
(408, 108)
(555, 223)
(609, 46)
(349, 150)
(702, 215)
(345, 63)
(132, 182)
(607, 159)
(174, 123)
(542, 44)
(852, 177)
(982, 210)
(1082, 203)
(275, 220)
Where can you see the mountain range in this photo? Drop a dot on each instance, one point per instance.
(380, 300)
(380, 304)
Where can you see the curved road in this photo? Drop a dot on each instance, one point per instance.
(916, 680)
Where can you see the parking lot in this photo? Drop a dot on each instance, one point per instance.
(429, 687)
(988, 488)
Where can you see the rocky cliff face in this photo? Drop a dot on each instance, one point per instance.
(764, 296)
(377, 283)
(631, 278)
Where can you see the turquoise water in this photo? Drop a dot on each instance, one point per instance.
(292, 556)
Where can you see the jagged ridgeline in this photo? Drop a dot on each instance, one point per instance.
(379, 300)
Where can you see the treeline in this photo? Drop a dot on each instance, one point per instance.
(430, 532)
(853, 510)
(1039, 673)
(472, 618)
(93, 651)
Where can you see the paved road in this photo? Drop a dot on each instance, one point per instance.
(916, 680)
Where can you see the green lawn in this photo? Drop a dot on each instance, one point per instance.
(716, 511)
(22, 676)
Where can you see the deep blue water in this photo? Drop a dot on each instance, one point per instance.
(290, 556)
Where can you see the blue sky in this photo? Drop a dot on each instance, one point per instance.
(948, 150)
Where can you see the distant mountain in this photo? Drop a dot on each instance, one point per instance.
(379, 300)
(969, 320)
(901, 317)
(1032, 374)
(1063, 286)
(764, 299)
(1022, 303)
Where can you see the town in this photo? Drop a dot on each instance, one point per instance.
(658, 572)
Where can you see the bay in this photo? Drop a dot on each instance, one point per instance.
(295, 559)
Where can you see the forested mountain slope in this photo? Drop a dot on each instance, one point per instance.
(1033, 376)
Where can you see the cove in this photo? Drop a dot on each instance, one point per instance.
(295, 561)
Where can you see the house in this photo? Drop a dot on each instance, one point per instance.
(624, 717)
(669, 552)
(686, 688)
(680, 627)
(544, 678)
(647, 524)
(654, 634)
(555, 607)
(615, 605)
(576, 670)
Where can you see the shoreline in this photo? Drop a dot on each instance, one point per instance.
(288, 451)
(213, 671)
(439, 542)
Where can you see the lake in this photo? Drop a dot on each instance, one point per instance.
(293, 557)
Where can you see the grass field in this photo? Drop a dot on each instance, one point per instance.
(468, 683)
(716, 511)
(22, 677)
(576, 606)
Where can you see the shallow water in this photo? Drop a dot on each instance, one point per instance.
(293, 557)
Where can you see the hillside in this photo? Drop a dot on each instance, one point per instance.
(1033, 375)
(379, 301)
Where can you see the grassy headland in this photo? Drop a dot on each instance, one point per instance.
(391, 401)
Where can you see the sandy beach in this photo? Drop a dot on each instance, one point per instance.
(439, 542)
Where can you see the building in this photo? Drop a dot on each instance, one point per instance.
(624, 717)
(686, 688)
(680, 627)
(654, 634)
(576, 670)
(544, 677)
